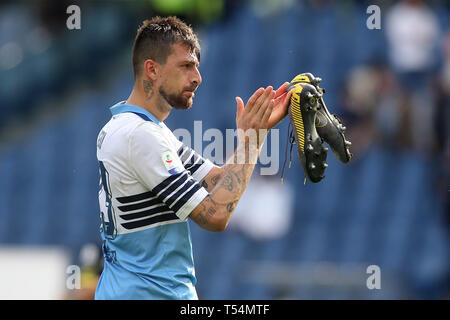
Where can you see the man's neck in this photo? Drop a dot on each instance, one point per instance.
(146, 97)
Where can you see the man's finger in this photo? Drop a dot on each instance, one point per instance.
(283, 99)
(287, 99)
(281, 90)
(280, 109)
(259, 102)
(280, 99)
(268, 112)
(265, 105)
(239, 106)
(253, 99)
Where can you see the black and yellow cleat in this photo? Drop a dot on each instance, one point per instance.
(302, 113)
(328, 126)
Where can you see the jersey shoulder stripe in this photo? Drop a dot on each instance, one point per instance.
(155, 219)
(135, 198)
(190, 159)
(140, 205)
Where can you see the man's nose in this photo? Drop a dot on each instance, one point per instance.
(197, 79)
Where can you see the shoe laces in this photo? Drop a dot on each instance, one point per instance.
(290, 142)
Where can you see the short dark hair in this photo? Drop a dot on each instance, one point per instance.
(155, 38)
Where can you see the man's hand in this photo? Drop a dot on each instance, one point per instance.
(278, 106)
(281, 104)
(230, 181)
(257, 111)
(252, 120)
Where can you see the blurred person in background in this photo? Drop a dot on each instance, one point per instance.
(375, 107)
(412, 30)
(277, 209)
(420, 61)
(91, 265)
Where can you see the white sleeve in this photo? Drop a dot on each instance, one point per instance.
(158, 167)
(197, 166)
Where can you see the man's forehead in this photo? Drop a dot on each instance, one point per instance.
(182, 52)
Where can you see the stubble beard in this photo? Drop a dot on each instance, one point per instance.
(176, 101)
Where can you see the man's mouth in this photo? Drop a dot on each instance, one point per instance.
(189, 94)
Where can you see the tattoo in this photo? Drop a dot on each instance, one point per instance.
(206, 214)
(148, 89)
(231, 206)
(236, 175)
(212, 182)
(227, 186)
(215, 179)
(227, 182)
(201, 219)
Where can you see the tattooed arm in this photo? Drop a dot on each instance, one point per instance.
(227, 184)
(281, 102)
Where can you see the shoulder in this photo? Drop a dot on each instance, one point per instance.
(147, 132)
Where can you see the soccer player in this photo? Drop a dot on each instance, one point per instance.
(151, 183)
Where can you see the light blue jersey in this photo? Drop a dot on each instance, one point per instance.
(149, 184)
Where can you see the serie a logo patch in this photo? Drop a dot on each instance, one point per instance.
(170, 162)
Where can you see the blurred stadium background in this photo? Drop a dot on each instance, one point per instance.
(389, 207)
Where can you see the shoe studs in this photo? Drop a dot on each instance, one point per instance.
(340, 126)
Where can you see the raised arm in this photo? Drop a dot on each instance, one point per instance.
(227, 184)
(281, 102)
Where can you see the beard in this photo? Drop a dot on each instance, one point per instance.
(177, 101)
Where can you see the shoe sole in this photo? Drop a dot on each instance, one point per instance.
(339, 146)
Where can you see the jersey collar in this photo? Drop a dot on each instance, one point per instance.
(122, 107)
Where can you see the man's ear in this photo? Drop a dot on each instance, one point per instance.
(151, 69)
